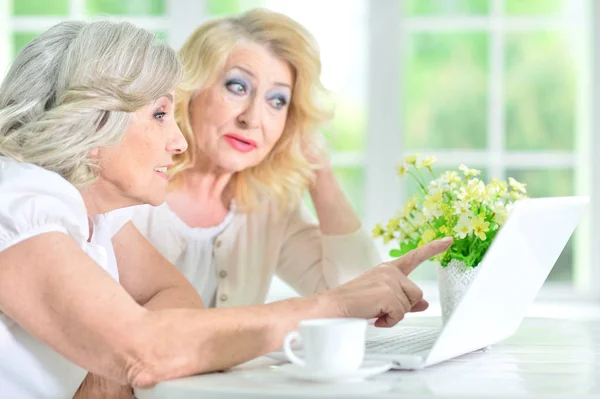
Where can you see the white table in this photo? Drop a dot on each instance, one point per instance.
(545, 358)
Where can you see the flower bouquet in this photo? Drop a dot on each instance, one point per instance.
(457, 204)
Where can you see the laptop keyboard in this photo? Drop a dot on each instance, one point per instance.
(407, 340)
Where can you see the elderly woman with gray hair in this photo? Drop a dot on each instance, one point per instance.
(87, 127)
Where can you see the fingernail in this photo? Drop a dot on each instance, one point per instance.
(447, 240)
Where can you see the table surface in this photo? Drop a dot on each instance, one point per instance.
(544, 358)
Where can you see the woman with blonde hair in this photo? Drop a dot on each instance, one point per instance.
(87, 127)
(250, 106)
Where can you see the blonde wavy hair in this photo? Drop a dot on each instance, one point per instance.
(285, 173)
(75, 87)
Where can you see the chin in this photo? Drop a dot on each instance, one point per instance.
(235, 164)
(156, 200)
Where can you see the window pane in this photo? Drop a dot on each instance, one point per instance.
(540, 92)
(21, 39)
(535, 7)
(226, 7)
(346, 131)
(446, 7)
(131, 7)
(40, 7)
(445, 91)
(546, 183)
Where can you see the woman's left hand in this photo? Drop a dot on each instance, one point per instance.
(317, 153)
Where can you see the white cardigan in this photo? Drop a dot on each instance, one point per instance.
(256, 246)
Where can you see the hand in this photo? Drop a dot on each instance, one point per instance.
(96, 387)
(385, 292)
(316, 152)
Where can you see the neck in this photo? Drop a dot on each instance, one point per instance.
(99, 198)
(207, 184)
(206, 187)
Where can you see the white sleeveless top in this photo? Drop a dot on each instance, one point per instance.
(34, 201)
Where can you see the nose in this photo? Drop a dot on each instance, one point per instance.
(250, 117)
(177, 142)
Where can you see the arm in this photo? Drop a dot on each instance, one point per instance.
(148, 277)
(53, 290)
(153, 282)
(317, 256)
(335, 213)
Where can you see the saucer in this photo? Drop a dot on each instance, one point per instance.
(369, 368)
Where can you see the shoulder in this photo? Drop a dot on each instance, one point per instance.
(35, 200)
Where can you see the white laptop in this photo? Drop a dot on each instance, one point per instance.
(509, 278)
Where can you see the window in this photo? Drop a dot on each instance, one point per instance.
(496, 84)
(500, 85)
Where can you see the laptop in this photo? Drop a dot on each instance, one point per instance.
(510, 276)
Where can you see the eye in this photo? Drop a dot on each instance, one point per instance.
(159, 115)
(278, 102)
(236, 87)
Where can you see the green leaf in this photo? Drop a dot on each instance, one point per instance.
(396, 253)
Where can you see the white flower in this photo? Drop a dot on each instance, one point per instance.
(462, 208)
(463, 227)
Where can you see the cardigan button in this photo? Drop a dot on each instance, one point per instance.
(223, 273)
(218, 243)
(223, 297)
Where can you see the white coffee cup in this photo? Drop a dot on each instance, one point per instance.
(330, 345)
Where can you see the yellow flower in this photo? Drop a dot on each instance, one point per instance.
(462, 208)
(432, 211)
(480, 227)
(418, 219)
(450, 176)
(447, 210)
(387, 237)
(468, 172)
(474, 190)
(406, 227)
(491, 191)
(432, 206)
(428, 236)
(517, 186)
(463, 227)
(427, 162)
(411, 159)
(500, 214)
(393, 225)
(500, 184)
(516, 196)
(444, 230)
(378, 231)
(402, 170)
(410, 205)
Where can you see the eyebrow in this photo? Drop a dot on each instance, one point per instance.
(168, 96)
(254, 76)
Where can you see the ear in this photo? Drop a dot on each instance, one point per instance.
(94, 153)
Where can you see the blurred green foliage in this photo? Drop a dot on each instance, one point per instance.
(446, 7)
(40, 7)
(129, 7)
(445, 90)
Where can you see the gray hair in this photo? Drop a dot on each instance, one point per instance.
(73, 89)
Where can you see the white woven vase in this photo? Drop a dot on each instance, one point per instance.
(453, 281)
